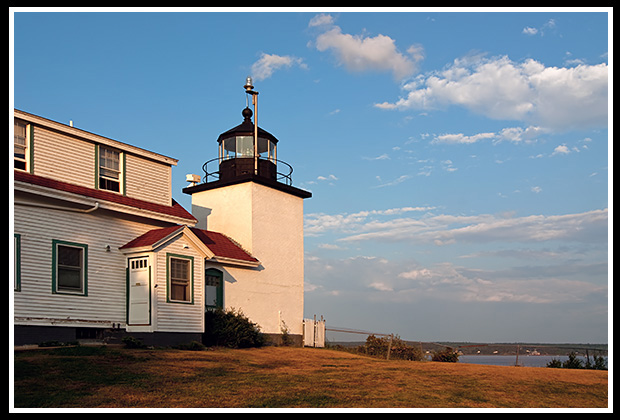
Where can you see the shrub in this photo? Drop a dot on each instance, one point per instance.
(554, 363)
(445, 355)
(133, 343)
(573, 362)
(232, 329)
(399, 349)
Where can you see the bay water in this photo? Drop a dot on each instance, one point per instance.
(510, 360)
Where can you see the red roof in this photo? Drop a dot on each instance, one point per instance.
(221, 245)
(173, 210)
(151, 237)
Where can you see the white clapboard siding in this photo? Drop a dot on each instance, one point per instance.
(148, 180)
(64, 158)
(179, 317)
(106, 284)
(72, 159)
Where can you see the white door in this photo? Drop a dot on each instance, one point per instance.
(139, 291)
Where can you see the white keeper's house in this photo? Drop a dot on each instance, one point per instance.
(102, 250)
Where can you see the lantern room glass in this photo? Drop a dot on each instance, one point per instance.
(243, 147)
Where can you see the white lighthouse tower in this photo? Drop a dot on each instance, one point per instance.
(250, 198)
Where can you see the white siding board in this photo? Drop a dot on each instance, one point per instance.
(64, 158)
(148, 180)
(179, 317)
(106, 300)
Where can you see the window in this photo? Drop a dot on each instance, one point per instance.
(20, 145)
(180, 276)
(69, 269)
(109, 169)
(214, 289)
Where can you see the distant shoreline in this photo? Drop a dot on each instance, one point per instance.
(501, 349)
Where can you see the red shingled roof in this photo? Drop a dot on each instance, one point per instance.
(173, 210)
(221, 245)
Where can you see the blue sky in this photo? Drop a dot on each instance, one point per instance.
(459, 161)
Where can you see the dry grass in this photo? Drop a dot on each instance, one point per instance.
(289, 377)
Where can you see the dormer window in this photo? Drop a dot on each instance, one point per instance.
(20, 145)
(110, 169)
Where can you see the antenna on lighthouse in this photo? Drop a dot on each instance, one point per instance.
(249, 90)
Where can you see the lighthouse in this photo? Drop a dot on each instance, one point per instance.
(247, 194)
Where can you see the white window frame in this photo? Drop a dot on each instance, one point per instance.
(189, 281)
(25, 145)
(83, 269)
(105, 173)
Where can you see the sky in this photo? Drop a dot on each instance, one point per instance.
(459, 161)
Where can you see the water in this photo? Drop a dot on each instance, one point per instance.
(524, 360)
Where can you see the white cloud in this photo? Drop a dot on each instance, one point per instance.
(268, 63)
(363, 53)
(588, 227)
(498, 88)
(461, 138)
(560, 150)
(321, 20)
(317, 223)
(330, 177)
(360, 278)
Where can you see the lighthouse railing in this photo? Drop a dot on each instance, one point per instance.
(285, 177)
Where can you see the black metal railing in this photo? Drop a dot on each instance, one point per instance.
(285, 177)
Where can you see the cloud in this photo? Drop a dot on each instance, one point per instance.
(330, 177)
(498, 88)
(268, 63)
(461, 138)
(560, 150)
(589, 227)
(359, 53)
(396, 181)
(317, 223)
(372, 279)
(321, 20)
(511, 134)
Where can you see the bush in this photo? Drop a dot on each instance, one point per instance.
(574, 363)
(133, 343)
(399, 349)
(446, 355)
(232, 329)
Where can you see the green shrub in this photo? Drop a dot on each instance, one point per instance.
(445, 355)
(574, 363)
(232, 329)
(133, 343)
(376, 346)
(554, 363)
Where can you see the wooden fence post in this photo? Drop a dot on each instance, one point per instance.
(389, 346)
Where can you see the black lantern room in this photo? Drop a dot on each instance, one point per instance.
(237, 155)
(246, 153)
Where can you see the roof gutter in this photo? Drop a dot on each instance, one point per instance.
(50, 206)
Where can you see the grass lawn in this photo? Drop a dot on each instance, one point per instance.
(88, 377)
